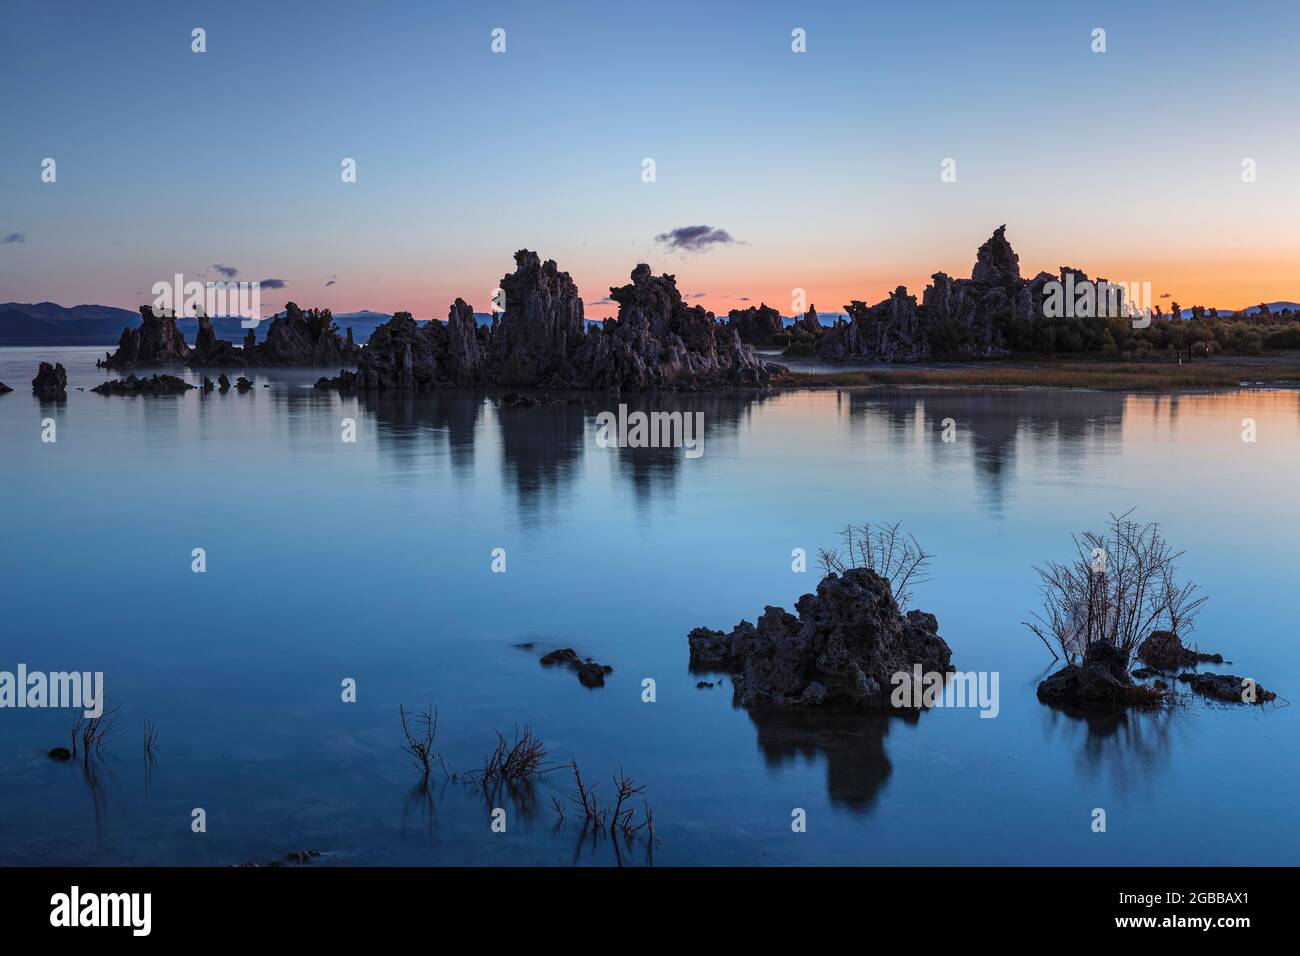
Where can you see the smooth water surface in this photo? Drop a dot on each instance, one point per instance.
(328, 560)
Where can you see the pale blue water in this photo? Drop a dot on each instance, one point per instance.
(372, 561)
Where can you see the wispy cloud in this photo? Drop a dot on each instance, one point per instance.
(330, 281)
(18, 237)
(605, 301)
(228, 271)
(697, 295)
(273, 283)
(695, 238)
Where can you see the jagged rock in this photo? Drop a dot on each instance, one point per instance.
(156, 385)
(540, 341)
(51, 382)
(4, 388)
(1228, 687)
(223, 382)
(657, 341)
(302, 338)
(156, 342)
(810, 323)
(535, 339)
(242, 384)
(957, 317)
(212, 352)
(756, 325)
(207, 384)
(1101, 682)
(996, 263)
(1165, 651)
(843, 649)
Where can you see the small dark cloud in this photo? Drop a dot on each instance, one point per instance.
(697, 295)
(273, 283)
(330, 281)
(228, 271)
(1164, 295)
(695, 238)
(742, 298)
(605, 301)
(18, 237)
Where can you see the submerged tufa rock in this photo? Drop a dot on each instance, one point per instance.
(843, 649)
(156, 385)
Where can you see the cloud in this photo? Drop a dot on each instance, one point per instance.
(695, 238)
(273, 283)
(605, 301)
(19, 237)
(330, 281)
(742, 298)
(1164, 295)
(228, 271)
(697, 295)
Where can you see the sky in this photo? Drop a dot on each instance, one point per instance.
(821, 169)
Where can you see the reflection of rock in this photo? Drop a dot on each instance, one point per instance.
(842, 650)
(156, 385)
(50, 383)
(1228, 687)
(853, 746)
(1101, 682)
(1164, 650)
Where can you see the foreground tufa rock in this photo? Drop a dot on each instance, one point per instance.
(1101, 682)
(4, 389)
(156, 342)
(50, 383)
(590, 673)
(843, 649)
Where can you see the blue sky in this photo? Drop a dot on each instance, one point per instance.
(823, 165)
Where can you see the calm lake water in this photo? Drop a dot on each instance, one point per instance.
(371, 561)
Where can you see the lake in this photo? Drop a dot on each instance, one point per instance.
(372, 561)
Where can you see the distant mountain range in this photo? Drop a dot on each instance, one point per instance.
(47, 323)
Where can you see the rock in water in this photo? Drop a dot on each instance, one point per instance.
(212, 352)
(4, 388)
(1164, 651)
(1228, 687)
(156, 342)
(1101, 682)
(540, 341)
(156, 385)
(843, 649)
(304, 338)
(50, 383)
(590, 673)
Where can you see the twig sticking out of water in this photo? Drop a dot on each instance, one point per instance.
(515, 762)
(419, 743)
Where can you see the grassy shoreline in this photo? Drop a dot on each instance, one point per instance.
(1219, 373)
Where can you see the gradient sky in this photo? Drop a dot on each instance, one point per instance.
(824, 165)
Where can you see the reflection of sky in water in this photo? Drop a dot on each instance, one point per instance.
(371, 561)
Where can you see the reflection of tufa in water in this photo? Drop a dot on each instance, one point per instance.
(651, 430)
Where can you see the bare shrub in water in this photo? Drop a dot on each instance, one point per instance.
(1120, 586)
